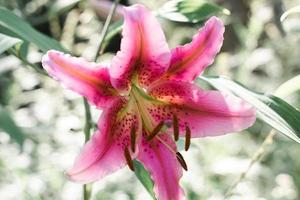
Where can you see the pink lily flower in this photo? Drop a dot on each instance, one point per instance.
(148, 100)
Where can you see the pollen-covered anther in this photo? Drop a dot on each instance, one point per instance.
(187, 138)
(181, 161)
(132, 138)
(128, 159)
(175, 128)
(155, 131)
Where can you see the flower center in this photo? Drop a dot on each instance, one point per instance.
(142, 100)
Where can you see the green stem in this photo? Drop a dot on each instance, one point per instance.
(87, 189)
(105, 28)
(88, 122)
(255, 158)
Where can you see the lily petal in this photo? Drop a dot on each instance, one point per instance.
(104, 153)
(144, 51)
(87, 79)
(163, 167)
(190, 60)
(206, 113)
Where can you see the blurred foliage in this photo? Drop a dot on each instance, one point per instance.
(8, 125)
(259, 51)
(192, 11)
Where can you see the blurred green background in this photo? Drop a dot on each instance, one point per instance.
(259, 51)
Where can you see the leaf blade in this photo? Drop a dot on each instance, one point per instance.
(8, 125)
(23, 30)
(270, 109)
(6, 42)
(192, 11)
(144, 177)
(293, 10)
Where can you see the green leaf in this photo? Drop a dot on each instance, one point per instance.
(8, 125)
(6, 42)
(16, 25)
(23, 49)
(113, 30)
(190, 10)
(293, 10)
(288, 87)
(144, 177)
(270, 109)
(59, 7)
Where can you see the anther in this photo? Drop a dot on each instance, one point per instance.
(132, 139)
(155, 131)
(181, 161)
(128, 159)
(187, 138)
(175, 128)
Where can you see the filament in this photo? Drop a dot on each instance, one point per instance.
(155, 131)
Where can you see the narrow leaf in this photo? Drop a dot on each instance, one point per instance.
(59, 7)
(144, 177)
(113, 30)
(293, 10)
(23, 30)
(192, 11)
(7, 42)
(22, 47)
(288, 87)
(270, 109)
(8, 125)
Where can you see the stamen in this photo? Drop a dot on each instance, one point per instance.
(175, 128)
(166, 145)
(132, 139)
(181, 161)
(187, 138)
(128, 159)
(178, 155)
(155, 131)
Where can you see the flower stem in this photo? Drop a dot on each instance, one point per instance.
(105, 27)
(88, 121)
(255, 158)
(87, 188)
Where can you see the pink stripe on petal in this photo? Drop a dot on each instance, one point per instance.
(164, 168)
(87, 79)
(144, 50)
(190, 60)
(207, 113)
(104, 153)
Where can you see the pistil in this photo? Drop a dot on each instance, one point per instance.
(138, 96)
